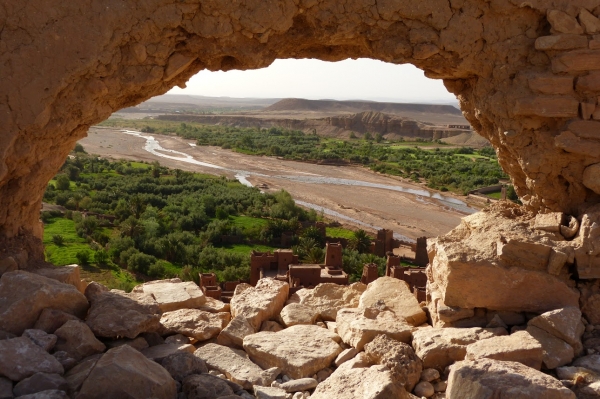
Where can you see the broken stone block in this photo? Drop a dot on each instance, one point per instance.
(587, 109)
(328, 298)
(235, 364)
(299, 351)
(556, 351)
(585, 129)
(488, 379)
(519, 347)
(301, 384)
(346, 355)
(41, 339)
(561, 42)
(194, 323)
(548, 106)
(576, 61)
(563, 323)
(589, 22)
(51, 320)
(76, 338)
(549, 221)
(563, 23)
(233, 334)
(173, 294)
(440, 347)
(357, 327)
(20, 358)
(24, 295)
(77, 375)
(68, 274)
(40, 382)
(296, 313)
(130, 374)
(397, 297)
(159, 352)
(269, 392)
(550, 83)
(375, 382)
(259, 303)
(591, 177)
(399, 357)
(119, 314)
(182, 364)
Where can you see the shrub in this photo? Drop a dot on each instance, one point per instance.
(83, 257)
(62, 182)
(58, 239)
(140, 262)
(101, 257)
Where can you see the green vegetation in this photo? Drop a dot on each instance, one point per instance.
(131, 221)
(447, 169)
(339, 232)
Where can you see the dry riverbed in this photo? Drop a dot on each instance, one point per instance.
(346, 192)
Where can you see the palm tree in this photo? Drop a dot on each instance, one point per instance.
(361, 241)
(131, 227)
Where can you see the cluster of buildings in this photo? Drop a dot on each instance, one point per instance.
(283, 265)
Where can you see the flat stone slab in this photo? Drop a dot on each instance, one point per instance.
(174, 294)
(519, 347)
(194, 323)
(259, 303)
(299, 351)
(235, 364)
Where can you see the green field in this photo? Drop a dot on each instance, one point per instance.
(245, 249)
(339, 232)
(63, 254)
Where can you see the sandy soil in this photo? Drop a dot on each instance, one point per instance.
(407, 214)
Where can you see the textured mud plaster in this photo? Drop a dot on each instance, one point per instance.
(68, 65)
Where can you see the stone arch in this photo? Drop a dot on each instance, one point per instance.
(520, 70)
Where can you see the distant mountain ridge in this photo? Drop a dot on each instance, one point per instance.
(300, 104)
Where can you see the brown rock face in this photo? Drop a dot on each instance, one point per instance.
(95, 62)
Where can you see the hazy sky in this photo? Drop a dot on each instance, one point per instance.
(314, 79)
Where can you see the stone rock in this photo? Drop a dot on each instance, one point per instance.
(296, 313)
(430, 375)
(299, 351)
(24, 295)
(375, 382)
(519, 347)
(269, 392)
(153, 338)
(159, 352)
(561, 42)
(495, 248)
(76, 338)
(563, 323)
(173, 294)
(549, 106)
(440, 347)
(49, 394)
(549, 221)
(564, 23)
(328, 298)
(497, 322)
(194, 323)
(65, 359)
(259, 303)
(397, 297)
(8, 264)
(556, 351)
(138, 343)
(301, 384)
(6, 388)
(176, 339)
(51, 320)
(487, 379)
(204, 386)
(358, 327)
(590, 23)
(271, 326)
(589, 83)
(41, 339)
(77, 375)
(424, 388)
(182, 364)
(20, 358)
(68, 274)
(235, 364)
(591, 177)
(399, 357)
(590, 362)
(130, 374)
(346, 355)
(119, 314)
(6, 335)
(233, 334)
(550, 83)
(214, 305)
(40, 382)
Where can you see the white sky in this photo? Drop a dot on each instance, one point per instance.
(363, 79)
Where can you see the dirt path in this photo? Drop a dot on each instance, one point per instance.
(331, 187)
